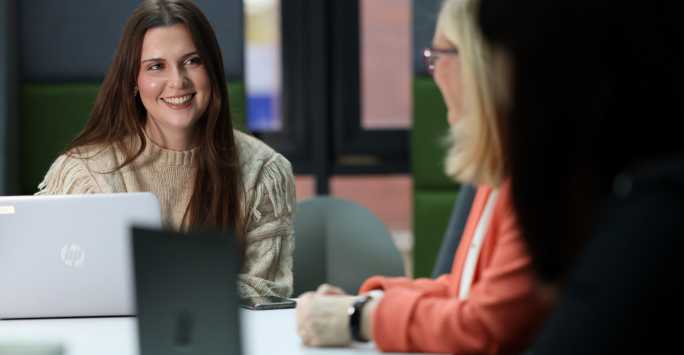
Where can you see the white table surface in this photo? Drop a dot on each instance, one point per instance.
(263, 332)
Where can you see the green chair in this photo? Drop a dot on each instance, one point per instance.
(433, 192)
(341, 243)
(53, 114)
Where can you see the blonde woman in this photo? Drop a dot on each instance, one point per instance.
(489, 303)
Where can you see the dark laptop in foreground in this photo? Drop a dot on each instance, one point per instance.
(186, 292)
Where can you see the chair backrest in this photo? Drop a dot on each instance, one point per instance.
(454, 232)
(341, 243)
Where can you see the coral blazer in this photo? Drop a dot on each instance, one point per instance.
(501, 314)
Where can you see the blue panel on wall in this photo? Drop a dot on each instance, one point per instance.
(262, 113)
(75, 40)
(424, 20)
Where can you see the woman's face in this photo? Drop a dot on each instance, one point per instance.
(447, 75)
(173, 81)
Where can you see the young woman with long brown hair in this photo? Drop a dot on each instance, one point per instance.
(161, 123)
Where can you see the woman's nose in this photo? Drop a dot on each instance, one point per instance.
(178, 79)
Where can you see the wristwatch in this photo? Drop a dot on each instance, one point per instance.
(355, 312)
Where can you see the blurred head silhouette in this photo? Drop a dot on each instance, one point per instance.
(595, 89)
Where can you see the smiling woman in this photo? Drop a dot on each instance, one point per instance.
(173, 85)
(161, 123)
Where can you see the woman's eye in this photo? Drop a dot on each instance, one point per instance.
(155, 67)
(193, 60)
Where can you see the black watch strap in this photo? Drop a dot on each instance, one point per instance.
(355, 312)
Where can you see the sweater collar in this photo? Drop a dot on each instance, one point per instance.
(169, 157)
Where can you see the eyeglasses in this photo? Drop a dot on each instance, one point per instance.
(430, 55)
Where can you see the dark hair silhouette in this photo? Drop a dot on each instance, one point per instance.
(596, 90)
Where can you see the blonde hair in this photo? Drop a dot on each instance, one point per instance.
(476, 147)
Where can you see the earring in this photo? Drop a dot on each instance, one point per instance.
(135, 91)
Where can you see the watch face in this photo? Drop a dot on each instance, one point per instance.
(355, 312)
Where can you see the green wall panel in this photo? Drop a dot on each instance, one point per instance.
(52, 114)
(433, 192)
(432, 210)
(430, 128)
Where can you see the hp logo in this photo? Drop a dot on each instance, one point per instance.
(72, 255)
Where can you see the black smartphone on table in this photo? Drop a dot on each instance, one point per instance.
(267, 302)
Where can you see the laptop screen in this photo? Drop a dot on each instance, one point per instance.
(186, 291)
(69, 255)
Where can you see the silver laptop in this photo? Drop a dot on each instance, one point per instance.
(70, 255)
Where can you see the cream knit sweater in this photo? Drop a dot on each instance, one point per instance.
(269, 195)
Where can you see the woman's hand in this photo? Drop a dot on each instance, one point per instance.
(322, 318)
(328, 289)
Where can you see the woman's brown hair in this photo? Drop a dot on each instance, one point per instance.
(118, 114)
